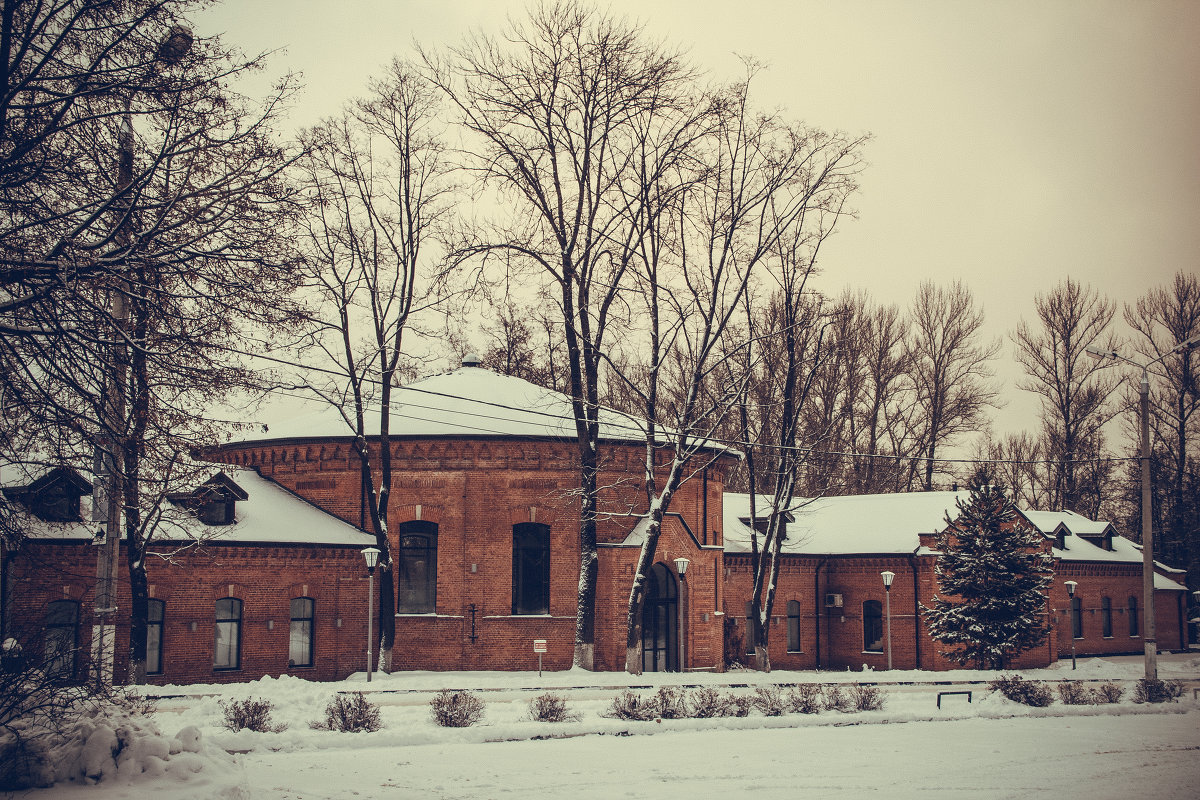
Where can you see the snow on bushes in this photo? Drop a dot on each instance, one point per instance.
(550, 707)
(1019, 690)
(460, 709)
(250, 714)
(102, 742)
(352, 713)
(1153, 690)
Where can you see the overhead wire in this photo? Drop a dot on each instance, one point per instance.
(629, 427)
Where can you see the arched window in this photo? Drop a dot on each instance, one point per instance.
(61, 638)
(1076, 618)
(793, 612)
(417, 568)
(1133, 617)
(1106, 617)
(227, 640)
(300, 637)
(872, 611)
(155, 611)
(531, 568)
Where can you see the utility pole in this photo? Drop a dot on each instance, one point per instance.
(108, 491)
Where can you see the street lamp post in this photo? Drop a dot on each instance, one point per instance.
(681, 566)
(1071, 616)
(1149, 636)
(888, 576)
(371, 556)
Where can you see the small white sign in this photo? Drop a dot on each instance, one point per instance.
(539, 645)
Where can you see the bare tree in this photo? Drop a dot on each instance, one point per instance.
(1018, 462)
(376, 183)
(877, 414)
(949, 370)
(1161, 319)
(1073, 386)
(141, 202)
(550, 106)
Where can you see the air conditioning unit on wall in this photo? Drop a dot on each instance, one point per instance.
(833, 601)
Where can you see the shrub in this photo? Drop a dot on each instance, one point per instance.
(708, 702)
(350, 713)
(770, 701)
(550, 707)
(250, 714)
(1071, 693)
(866, 698)
(739, 705)
(671, 702)
(460, 709)
(1019, 690)
(832, 699)
(632, 706)
(805, 699)
(128, 698)
(1157, 691)
(1109, 693)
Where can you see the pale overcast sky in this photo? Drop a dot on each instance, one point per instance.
(1014, 143)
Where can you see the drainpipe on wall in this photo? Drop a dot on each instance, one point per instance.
(912, 565)
(818, 601)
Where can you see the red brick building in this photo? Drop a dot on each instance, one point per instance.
(831, 606)
(258, 571)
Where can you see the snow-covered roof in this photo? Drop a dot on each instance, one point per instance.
(1049, 521)
(1077, 548)
(469, 401)
(270, 514)
(892, 523)
(877, 523)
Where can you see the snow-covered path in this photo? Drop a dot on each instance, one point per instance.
(990, 747)
(1061, 757)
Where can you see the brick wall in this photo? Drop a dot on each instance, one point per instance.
(264, 578)
(476, 491)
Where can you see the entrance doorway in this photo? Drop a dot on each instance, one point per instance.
(660, 622)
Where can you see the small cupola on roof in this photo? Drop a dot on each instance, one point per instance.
(471, 360)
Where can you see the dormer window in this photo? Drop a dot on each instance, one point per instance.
(213, 501)
(55, 496)
(215, 511)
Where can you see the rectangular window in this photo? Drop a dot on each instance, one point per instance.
(1133, 617)
(61, 639)
(531, 568)
(300, 638)
(154, 628)
(227, 638)
(417, 568)
(872, 626)
(793, 616)
(1106, 617)
(1076, 618)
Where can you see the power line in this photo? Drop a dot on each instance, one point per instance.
(630, 426)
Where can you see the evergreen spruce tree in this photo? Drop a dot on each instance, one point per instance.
(992, 574)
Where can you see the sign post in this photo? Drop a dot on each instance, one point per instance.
(539, 647)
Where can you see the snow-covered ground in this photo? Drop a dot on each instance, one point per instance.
(989, 747)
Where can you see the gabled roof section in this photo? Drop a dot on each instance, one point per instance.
(47, 478)
(219, 487)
